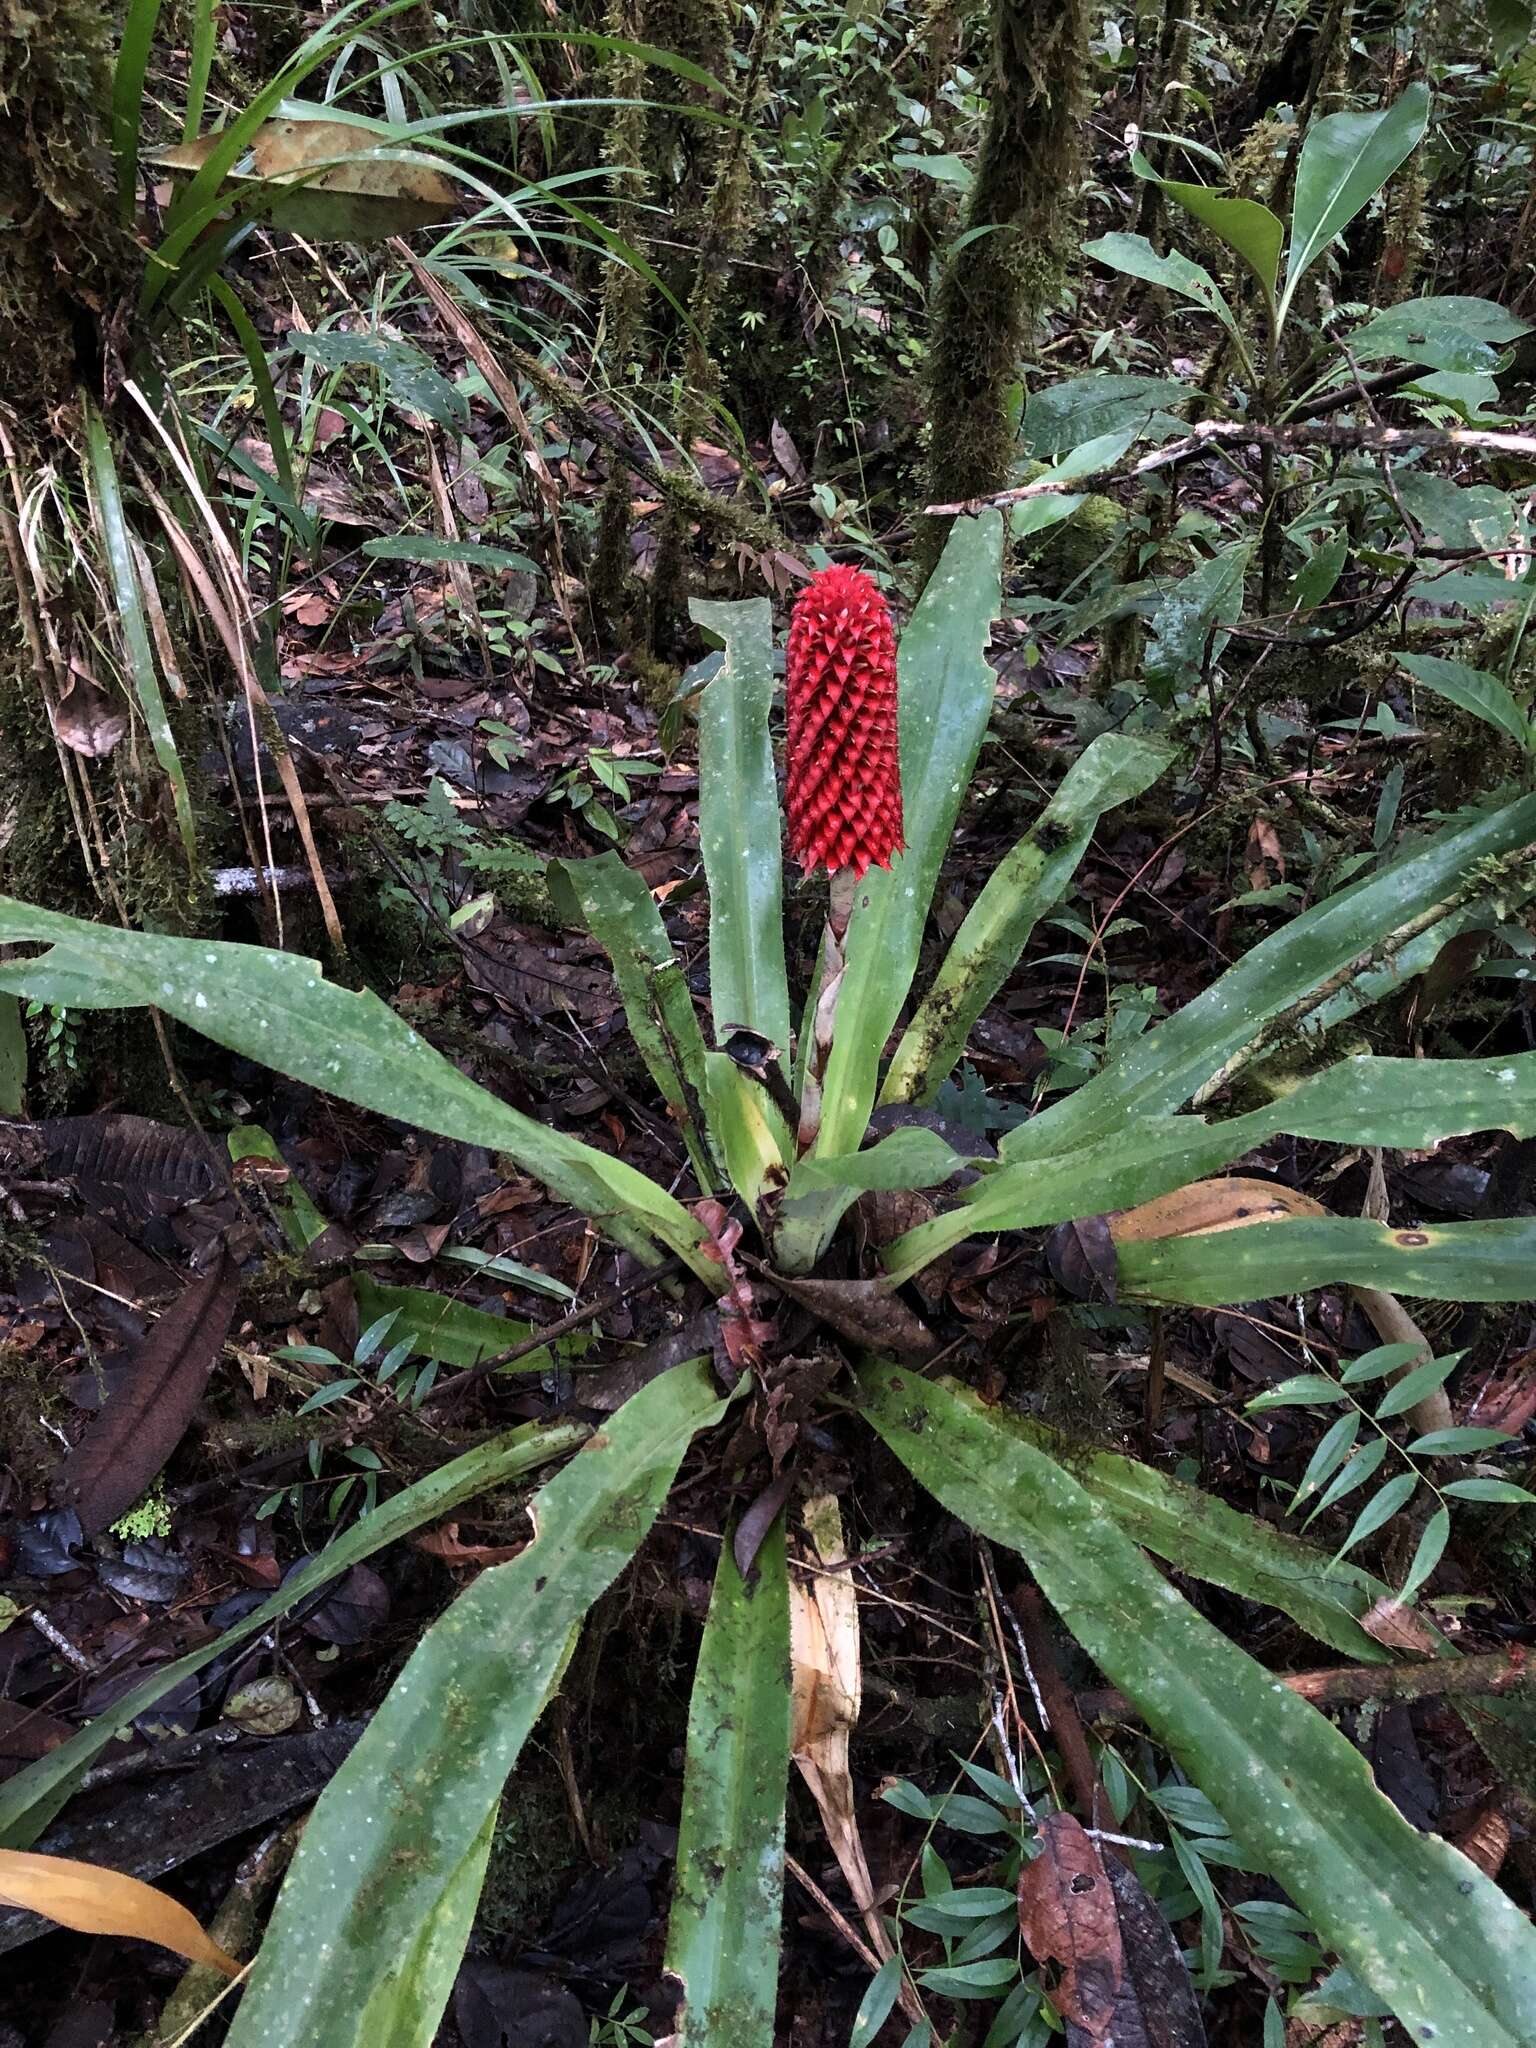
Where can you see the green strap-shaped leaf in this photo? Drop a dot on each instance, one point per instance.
(442, 1327)
(128, 99)
(30, 1800)
(1345, 160)
(1493, 1261)
(1420, 1924)
(723, 1938)
(911, 1158)
(13, 1057)
(278, 1009)
(741, 828)
(1023, 886)
(392, 1829)
(113, 520)
(621, 914)
(748, 1127)
(299, 1219)
(1324, 946)
(1206, 1539)
(407, 2011)
(1401, 1104)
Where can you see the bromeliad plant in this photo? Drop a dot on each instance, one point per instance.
(377, 1908)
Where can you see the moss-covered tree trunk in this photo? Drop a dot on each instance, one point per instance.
(66, 267)
(1000, 283)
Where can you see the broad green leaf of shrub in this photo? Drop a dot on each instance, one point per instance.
(1135, 256)
(409, 378)
(1345, 160)
(1063, 416)
(1473, 690)
(1194, 614)
(1247, 228)
(1450, 333)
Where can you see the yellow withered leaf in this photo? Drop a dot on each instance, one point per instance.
(96, 1901)
(347, 182)
(1207, 1205)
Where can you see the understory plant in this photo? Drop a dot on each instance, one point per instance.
(378, 1905)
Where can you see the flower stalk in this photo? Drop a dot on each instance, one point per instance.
(843, 779)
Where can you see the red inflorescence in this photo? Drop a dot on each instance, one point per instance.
(844, 766)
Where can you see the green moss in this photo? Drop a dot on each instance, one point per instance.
(1065, 551)
(151, 1516)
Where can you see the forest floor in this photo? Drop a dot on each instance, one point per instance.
(275, 1430)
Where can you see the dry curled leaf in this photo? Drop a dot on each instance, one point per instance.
(1398, 1627)
(96, 1901)
(826, 1693)
(867, 1312)
(1067, 1917)
(346, 180)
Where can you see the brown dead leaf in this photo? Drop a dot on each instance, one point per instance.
(785, 453)
(444, 1543)
(743, 1333)
(864, 1311)
(1398, 1627)
(142, 1423)
(1266, 861)
(1156, 2006)
(86, 718)
(1067, 1917)
(1507, 1400)
(307, 607)
(96, 1901)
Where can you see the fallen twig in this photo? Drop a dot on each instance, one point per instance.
(1252, 433)
(1495, 1673)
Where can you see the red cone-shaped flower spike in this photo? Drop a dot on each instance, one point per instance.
(844, 767)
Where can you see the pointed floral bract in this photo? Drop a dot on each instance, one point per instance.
(844, 768)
